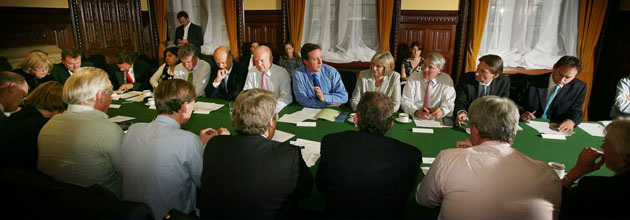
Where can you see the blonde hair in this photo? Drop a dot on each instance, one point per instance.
(83, 85)
(385, 59)
(253, 110)
(617, 133)
(47, 96)
(35, 59)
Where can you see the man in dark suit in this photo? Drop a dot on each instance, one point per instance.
(228, 78)
(188, 32)
(363, 173)
(249, 176)
(70, 63)
(487, 80)
(248, 59)
(13, 89)
(556, 96)
(131, 74)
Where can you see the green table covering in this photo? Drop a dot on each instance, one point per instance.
(528, 141)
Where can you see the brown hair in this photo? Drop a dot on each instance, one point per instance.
(186, 51)
(70, 52)
(495, 62)
(171, 94)
(253, 110)
(125, 56)
(47, 96)
(307, 48)
(375, 111)
(570, 61)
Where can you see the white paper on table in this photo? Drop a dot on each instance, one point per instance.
(428, 123)
(428, 160)
(425, 170)
(129, 94)
(206, 107)
(543, 128)
(281, 136)
(115, 97)
(553, 136)
(306, 124)
(152, 107)
(138, 98)
(422, 130)
(114, 106)
(299, 116)
(310, 150)
(605, 123)
(593, 129)
(120, 118)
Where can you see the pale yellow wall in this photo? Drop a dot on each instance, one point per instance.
(35, 3)
(144, 5)
(444, 5)
(263, 5)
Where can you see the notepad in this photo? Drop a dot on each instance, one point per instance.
(327, 114)
(422, 130)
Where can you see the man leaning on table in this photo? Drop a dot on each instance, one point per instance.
(271, 77)
(192, 69)
(229, 78)
(556, 96)
(250, 176)
(429, 95)
(363, 173)
(80, 146)
(164, 155)
(317, 84)
(485, 178)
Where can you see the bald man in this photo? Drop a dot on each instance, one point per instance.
(228, 78)
(269, 76)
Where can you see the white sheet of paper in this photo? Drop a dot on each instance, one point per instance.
(425, 170)
(306, 124)
(428, 123)
(120, 118)
(152, 107)
(428, 160)
(206, 107)
(129, 94)
(605, 123)
(138, 98)
(299, 116)
(593, 129)
(543, 128)
(114, 106)
(310, 152)
(281, 136)
(202, 111)
(553, 136)
(422, 130)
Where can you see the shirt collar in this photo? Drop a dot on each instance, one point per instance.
(167, 120)
(79, 108)
(188, 25)
(552, 83)
(426, 81)
(486, 84)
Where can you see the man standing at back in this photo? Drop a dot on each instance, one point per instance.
(363, 173)
(188, 32)
(317, 84)
(192, 69)
(229, 78)
(81, 146)
(485, 178)
(162, 163)
(270, 77)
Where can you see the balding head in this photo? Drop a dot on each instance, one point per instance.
(263, 58)
(223, 57)
(13, 89)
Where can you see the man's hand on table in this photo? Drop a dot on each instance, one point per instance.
(206, 134)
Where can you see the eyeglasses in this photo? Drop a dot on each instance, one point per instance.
(41, 69)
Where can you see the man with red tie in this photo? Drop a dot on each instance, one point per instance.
(131, 74)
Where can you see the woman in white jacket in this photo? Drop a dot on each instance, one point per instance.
(381, 77)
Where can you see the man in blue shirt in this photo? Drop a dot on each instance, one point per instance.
(317, 84)
(161, 163)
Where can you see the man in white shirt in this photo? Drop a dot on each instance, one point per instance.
(270, 77)
(485, 178)
(188, 32)
(429, 95)
(192, 69)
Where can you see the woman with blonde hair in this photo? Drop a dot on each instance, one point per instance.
(35, 69)
(381, 77)
(18, 145)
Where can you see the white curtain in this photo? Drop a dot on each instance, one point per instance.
(344, 29)
(207, 14)
(532, 34)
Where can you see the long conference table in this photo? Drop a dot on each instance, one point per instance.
(527, 141)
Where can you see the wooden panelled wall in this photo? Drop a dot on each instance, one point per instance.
(35, 26)
(264, 26)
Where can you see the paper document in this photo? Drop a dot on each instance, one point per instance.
(593, 129)
(120, 118)
(310, 150)
(428, 123)
(422, 130)
(425, 170)
(327, 114)
(544, 128)
(281, 136)
(128, 94)
(428, 160)
(306, 124)
(553, 136)
(114, 106)
(605, 123)
(205, 107)
(295, 117)
(138, 98)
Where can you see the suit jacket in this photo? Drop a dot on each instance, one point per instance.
(141, 73)
(366, 175)
(596, 197)
(18, 138)
(235, 84)
(467, 90)
(566, 105)
(61, 74)
(250, 177)
(32, 81)
(195, 36)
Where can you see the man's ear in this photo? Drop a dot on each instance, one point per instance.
(99, 96)
(183, 108)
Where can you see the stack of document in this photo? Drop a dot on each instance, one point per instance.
(134, 96)
(310, 150)
(545, 128)
(281, 136)
(593, 129)
(299, 116)
(428, 123)
(205, 107)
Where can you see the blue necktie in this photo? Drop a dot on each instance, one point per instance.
(316, 81)
(483, 91)
(553, 95)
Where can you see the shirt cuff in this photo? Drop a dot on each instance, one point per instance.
(215, 85)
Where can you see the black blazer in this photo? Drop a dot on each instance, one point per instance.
(250, 177)
(365, 175)
(195, 36)
(467, 90)
(235, 84)
(566, 105)
(32, 81)
(141, 73)
(60, 73)
(597, 197)
(18, 142)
